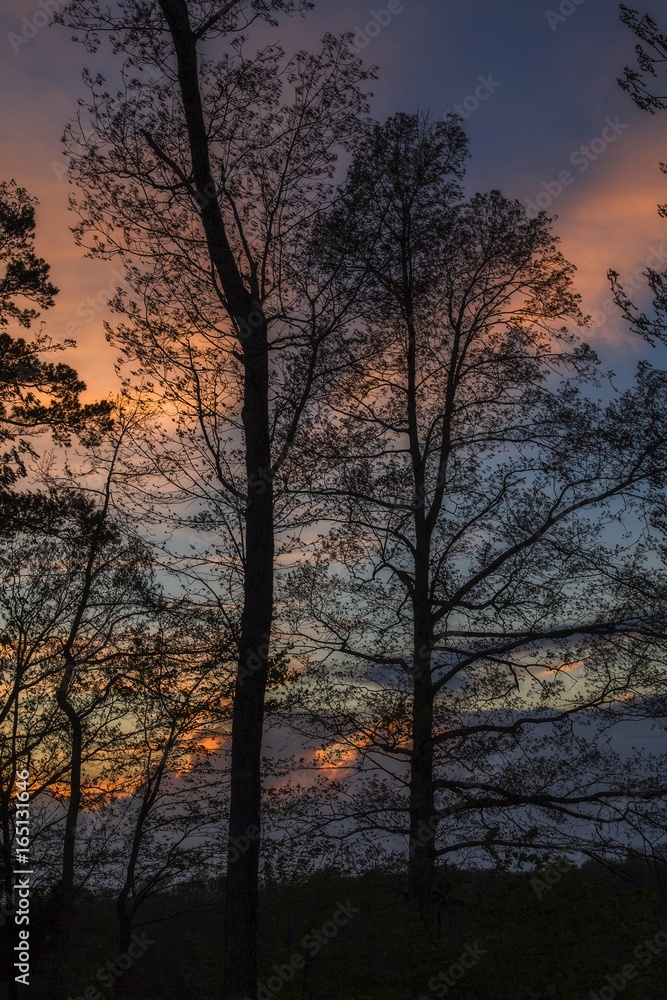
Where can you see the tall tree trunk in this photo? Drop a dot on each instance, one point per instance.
(241, 905)
(124, 910)
(421, 860)
(121, 985)
(64, 910)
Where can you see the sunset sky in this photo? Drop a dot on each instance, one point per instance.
(549, 81)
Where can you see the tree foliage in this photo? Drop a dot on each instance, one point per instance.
(35, 393)
(652, 62)
(475, 491)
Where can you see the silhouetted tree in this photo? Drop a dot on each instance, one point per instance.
(652, 60)
(209, 179)
(86, 583)
(35, 394)
(476, 495)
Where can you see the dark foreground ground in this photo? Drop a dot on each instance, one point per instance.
(586, 933)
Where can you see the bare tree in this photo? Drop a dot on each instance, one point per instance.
(651, 51)
(35, 393)
(28, 715)
(207, 177)
(74, 593)
(477, 496)
(42, 591)
(178, 712)
(651, 56)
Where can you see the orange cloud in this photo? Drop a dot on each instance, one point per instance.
(610, 220)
